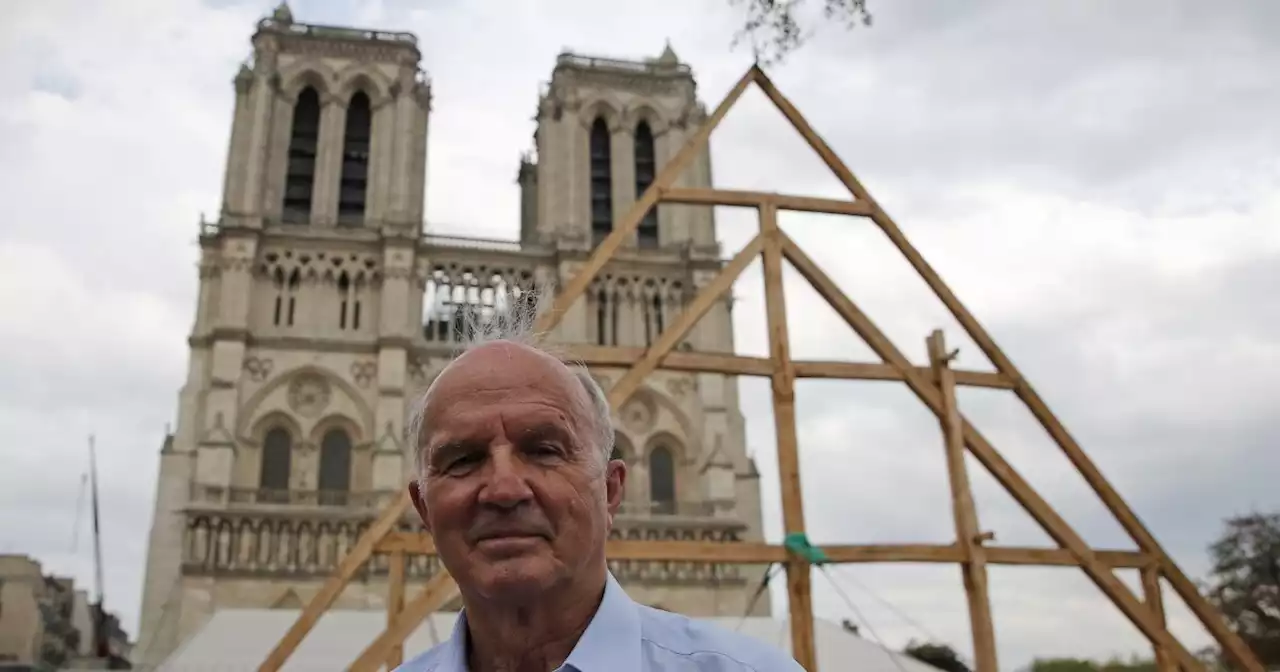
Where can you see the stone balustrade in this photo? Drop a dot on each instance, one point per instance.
(308, 543)
(215, 496)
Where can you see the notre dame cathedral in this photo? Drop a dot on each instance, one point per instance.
(326, 303)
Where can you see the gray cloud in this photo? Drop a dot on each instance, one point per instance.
(1098, 184)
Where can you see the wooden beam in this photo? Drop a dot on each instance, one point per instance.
(395, 603)
(974, 557)
(438, 591)
(333, 586)
(623, 228)
(420, 543)
(738, 365)
(873, 371)
(707, 297)
(1013, 482)
(1155, 601)
(799, 581)
(756, 199)
(1232, 644)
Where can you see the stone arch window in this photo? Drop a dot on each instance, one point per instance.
(348, 302)
(277, 464)
(662, 479)
(335, 467)
(601, 182)
(356, 141)
(607, 300)
(646, 169)
(304, 138)
(286, 288)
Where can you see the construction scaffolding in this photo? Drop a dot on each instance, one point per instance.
(934, 385)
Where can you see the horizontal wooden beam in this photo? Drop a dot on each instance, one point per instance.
(737, 365)
(761, 553)
(756, 199)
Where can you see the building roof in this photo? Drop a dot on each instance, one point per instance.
(239, 639)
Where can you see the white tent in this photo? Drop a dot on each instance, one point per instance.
(237, 640)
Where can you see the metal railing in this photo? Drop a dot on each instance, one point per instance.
(640, 67)
(470, 243)
(337, 32)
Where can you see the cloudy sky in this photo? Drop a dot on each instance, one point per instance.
(1098, 183)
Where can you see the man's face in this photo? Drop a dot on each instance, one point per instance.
(517, 498)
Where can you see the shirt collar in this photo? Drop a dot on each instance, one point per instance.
(610, 643)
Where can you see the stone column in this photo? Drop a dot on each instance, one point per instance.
(324, 190)
(380, 155)
(395, 338)
(264, 99)
(233, 183)
(402, 157)
(622, 169)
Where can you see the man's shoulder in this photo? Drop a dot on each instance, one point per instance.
(427, 661)
(676, 637)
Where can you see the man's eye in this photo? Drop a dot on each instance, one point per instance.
(463, 462)
(546, 449)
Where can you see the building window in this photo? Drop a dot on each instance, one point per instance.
(355, 161)
(662, 480)
(348, 303)
(286, 296)
(277, 457)
(335, 467)
(646, 169)
(304, 137)
(601, 183)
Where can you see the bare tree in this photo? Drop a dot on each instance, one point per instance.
(775, 28)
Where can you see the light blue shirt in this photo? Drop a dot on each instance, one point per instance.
(625, 636)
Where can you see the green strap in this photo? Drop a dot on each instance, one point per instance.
(798, 543)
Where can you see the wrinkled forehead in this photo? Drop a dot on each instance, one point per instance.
(503, 374)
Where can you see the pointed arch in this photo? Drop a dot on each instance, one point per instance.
(311, 72)
(662, 478)
(276, 465)
(646, 168)
(601, 180)
(357, 141)
(335, 467)
(304, 140)
(644, 112)
(251, 411)
(362, 77)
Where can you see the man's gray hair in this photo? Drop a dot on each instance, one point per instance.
(513, 320)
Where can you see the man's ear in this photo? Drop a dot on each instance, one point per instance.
(615, 483)
(419, 503)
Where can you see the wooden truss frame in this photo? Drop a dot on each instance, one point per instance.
(935, 385)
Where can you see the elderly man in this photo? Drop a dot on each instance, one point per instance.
(515, 483)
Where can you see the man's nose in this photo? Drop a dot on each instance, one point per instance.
(506, 483)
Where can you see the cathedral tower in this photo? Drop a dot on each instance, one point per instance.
(324, 306)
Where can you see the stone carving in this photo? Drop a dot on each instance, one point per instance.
(257, 368)
(679, 386)
(309, 394)
(364, 372)
(637, 415)
(419, 370)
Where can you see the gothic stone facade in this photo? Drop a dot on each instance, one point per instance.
(325, 306)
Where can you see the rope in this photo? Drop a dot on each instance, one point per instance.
(755, 597)
(858, 612)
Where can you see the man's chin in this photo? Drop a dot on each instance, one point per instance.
(513, 577)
